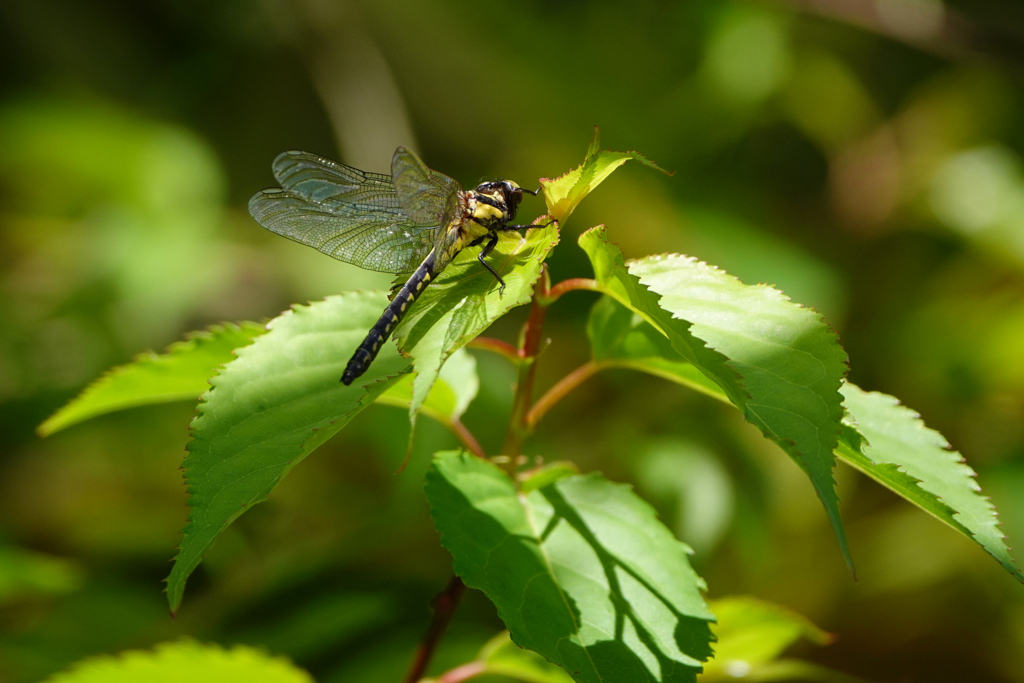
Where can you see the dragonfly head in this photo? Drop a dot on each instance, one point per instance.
(503, 195)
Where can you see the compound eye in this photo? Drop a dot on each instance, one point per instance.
(511, 191)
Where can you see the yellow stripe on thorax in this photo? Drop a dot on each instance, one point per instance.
(487, 214)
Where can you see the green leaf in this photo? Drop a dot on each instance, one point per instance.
(752, 632)
(501, 657)
(885, 441)
(776, 361)
(465, 299)
(272, 406)
(545, 475)
(178, 374)
(565, 192)
(454, 390)
(185, 661)
(581, 571)
(615, 280)
(898, 451)
(24, 573)
(621, 338)
(785, 670)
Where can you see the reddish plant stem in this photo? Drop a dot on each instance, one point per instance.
(444, 607)
(466, 437)
(571, 285)
(518, 429)
(497, 346)
(462, 673)
(534, 328)
(560, 390)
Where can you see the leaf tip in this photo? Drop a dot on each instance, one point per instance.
(46, 428)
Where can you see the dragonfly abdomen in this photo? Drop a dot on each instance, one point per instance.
(392, 315)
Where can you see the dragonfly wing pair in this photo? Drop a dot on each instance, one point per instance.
(352, 215)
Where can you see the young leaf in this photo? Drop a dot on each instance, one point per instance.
(465, 299)
(184, 661)
(271, 407)
(753, 631)
(178, 374)
(895, 435)
(581, 571)
(565, 192)
(752, 635)
(776, 361)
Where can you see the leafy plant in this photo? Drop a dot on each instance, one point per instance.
(578, 567)
(184, 660)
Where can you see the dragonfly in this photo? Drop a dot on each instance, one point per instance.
(415, 221)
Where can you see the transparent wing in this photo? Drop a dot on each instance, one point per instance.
(327, 182)
(426, 195)
(348, 214)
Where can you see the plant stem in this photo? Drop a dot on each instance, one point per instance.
(571, 285)
(518, 429)
(466, 437)
(444, 607)
(560, 390)
(462, 673)
(502, 348)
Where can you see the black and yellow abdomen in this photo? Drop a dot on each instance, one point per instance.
(392, 315)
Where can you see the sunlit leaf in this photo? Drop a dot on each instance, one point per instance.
(184, 661)
(545, 475)
(451, 394)
(465, 299)
(882, 439)
(269, 408)
(501, 657)
(615, 280)
(621, 338)
(180, 373)
(565, 192)
(752, 632)
(895, 437)
(784, 669)
(776, 361)
(581, 571)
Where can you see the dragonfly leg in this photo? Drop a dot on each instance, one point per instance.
(526, 227)
(492, 241)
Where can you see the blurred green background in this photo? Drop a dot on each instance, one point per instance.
(863, 156)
